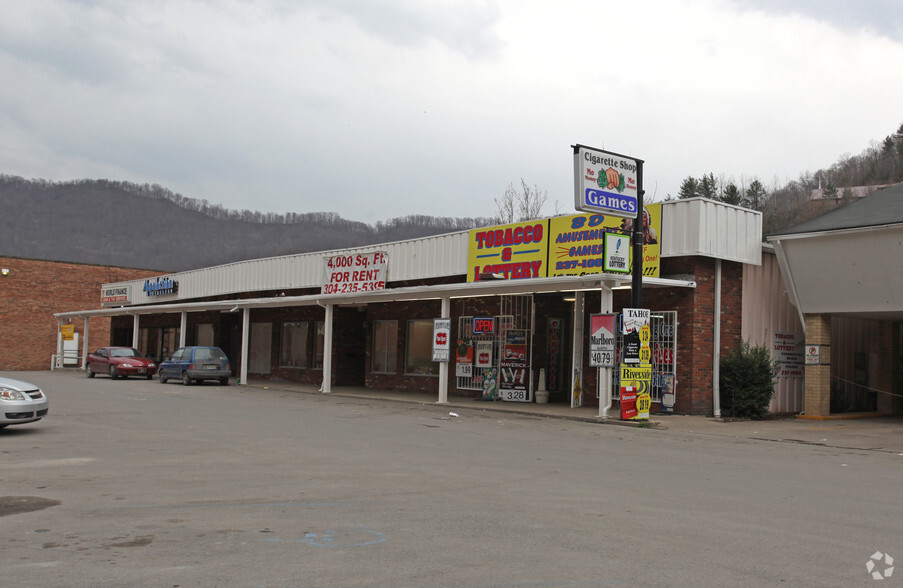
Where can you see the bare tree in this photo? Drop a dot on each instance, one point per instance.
(522, 204)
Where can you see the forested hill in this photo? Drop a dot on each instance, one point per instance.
(146, 226)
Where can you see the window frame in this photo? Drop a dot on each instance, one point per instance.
(305, 344)
(389, 351)
(422, 339)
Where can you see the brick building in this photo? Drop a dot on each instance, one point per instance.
(32, 291)
(708, 282)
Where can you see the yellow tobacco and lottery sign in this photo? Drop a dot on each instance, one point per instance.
(514, 251)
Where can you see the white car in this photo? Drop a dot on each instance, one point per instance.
(21, 402)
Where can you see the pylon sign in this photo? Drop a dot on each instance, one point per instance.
(606, 182)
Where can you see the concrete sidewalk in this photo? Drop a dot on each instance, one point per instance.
(873, 434)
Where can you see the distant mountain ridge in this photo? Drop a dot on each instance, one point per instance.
(105, 222)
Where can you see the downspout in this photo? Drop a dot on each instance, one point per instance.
(716, 362)
(85, 346)
(57, 360)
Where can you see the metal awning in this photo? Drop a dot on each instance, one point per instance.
(435, 292)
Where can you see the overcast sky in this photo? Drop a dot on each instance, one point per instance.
(382, 108)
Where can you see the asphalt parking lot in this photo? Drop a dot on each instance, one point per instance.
(134, 483)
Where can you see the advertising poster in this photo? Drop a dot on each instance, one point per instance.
(787, 352)
(617, 254)
(602, 340)
(592, 243)
(510, 252)
(464, 359)
(636, 384)
(668, 397)
(490, 383)
(605, 182)
(513, 367)
(628, 402)
(483, 350)
(67, 332)
(441, 339)
(633, 320)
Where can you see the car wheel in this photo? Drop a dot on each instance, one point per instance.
(113, 373)
(150, 377)
(224, 381)
(186, 380)
(162, 375)
(89, 372)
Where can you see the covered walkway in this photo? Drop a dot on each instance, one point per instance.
(884, 434)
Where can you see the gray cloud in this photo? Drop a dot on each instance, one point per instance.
(884, 17)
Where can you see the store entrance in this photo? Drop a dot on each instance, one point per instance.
(349, 346)
(552, 343)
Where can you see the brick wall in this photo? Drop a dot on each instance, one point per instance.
(33, 291)
(695, 333)
(402, 312)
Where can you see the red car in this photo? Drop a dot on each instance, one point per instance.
(120, 362)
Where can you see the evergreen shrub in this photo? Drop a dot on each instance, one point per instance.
(747, 381)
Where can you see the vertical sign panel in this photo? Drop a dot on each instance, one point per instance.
(602, 340)
(441, 339)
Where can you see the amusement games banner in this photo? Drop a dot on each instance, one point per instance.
(563, 246)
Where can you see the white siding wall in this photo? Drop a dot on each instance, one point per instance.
(767, 310)
(416, 259)
(697, 226)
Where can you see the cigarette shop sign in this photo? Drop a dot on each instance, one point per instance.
(606, 182)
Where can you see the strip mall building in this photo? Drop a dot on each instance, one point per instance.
(364, 317)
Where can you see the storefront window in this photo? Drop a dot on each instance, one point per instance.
(320, 326)
(419, 348)
(294, 345)
(385, 344)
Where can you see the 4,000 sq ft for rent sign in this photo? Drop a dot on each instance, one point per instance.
(362, 272)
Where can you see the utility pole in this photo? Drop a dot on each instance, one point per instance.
(636, 288)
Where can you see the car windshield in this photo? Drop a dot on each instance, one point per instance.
(124, 352)
(208, 353)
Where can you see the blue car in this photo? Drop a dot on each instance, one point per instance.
(195, 364)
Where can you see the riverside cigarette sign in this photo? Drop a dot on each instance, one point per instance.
(606, 182)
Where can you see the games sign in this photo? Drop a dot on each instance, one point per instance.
(606, 182)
